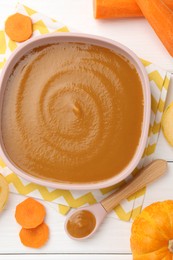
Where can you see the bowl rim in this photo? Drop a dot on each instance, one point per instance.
(95, 40)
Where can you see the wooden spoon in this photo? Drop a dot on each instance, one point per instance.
(84, 222)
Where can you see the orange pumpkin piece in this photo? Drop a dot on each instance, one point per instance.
(30, 213)
(18, 27)
(35, 237)
(152, 232)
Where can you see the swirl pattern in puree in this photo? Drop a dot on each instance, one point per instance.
(72, 112)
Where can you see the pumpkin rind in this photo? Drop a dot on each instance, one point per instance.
(151, 232)
(156, 255)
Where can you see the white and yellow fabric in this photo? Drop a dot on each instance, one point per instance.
(129, 208)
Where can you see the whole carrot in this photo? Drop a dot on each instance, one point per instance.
(120, 8)
(160, 17)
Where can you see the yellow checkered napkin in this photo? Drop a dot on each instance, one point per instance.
(129, 208)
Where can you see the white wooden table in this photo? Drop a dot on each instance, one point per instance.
(112, 240)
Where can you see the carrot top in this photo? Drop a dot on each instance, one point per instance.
(35, 237)
(30, 213)
(18, 27)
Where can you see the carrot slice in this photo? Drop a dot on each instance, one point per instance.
(160, 17)
(34, 237)
(120, 8)
(30, 213)
(18, 27)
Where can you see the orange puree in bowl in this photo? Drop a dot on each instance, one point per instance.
(81, 224)
(72, 112)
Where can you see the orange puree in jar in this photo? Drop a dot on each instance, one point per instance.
(81, 224)
(73, 113)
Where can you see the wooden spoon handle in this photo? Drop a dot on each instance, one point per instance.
(142, 178)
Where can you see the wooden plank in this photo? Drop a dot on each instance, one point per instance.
(163, 150)
(112, 237)
(162, 189)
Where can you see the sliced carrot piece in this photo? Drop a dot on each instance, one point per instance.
(30, 213)
(34, 237)
(160, 17)
(18, 27)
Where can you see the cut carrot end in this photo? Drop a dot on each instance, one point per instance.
(160, 17)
